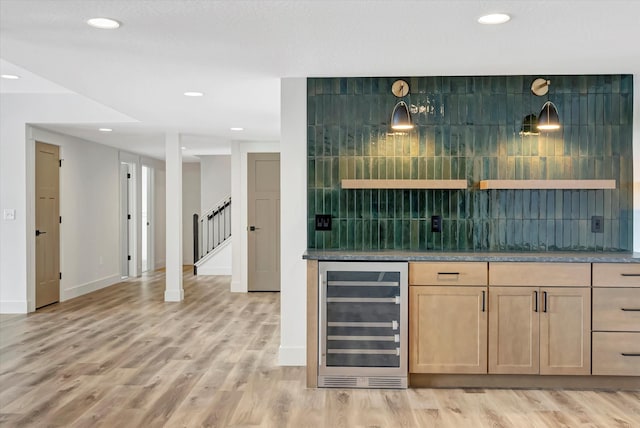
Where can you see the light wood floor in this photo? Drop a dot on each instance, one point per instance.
(121, 357)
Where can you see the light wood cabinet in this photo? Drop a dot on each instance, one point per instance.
(514, 330)
(616, 354)
(539, 330)
(448, 317)
(565, 331)
(448, 273)
(539, 318)
(616, 319)
(448, 329)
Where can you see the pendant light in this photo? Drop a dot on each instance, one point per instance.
(400, 116)
(530, 125)
(548, 119)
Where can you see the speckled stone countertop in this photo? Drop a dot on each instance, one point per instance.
(437, 256)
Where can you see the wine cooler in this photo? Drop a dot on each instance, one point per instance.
(362, 325)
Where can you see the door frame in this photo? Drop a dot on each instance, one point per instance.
(131, 231)
(239, 197)
(35, 214)
(30, 216)
(277, 214)
(150, 216)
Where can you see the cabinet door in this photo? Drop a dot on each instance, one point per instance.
(448, 329)
(514, 346)
(565, 327)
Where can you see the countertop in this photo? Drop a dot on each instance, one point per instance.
(441, 256)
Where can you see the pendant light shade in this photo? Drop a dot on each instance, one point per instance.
(400, 118)
(548, 119)
(529, 125)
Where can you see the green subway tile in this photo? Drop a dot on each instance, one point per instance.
(470, 131)
(311, 241)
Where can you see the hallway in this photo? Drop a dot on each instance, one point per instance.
(122, 357)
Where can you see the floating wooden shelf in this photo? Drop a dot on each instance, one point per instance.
(547, 184)
(404, 184)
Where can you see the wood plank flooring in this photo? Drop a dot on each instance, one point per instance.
(122, 357)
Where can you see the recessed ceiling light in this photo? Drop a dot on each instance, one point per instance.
(10, 76)
(103, 23)
(237, 129)
(193, 94)
(494, 18)
(105, 129)
(183, 148)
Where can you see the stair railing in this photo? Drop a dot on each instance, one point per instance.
(210, 230)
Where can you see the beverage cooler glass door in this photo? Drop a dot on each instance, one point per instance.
(363, 319)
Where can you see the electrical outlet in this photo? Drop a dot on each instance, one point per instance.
(323, 221)
(436, 223)
(9, 214)
(597, 224)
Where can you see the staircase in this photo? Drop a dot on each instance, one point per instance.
(210, 231)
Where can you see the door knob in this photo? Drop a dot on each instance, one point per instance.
(253, 228)
(38, 233)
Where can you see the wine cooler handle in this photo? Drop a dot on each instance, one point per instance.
(320, 295)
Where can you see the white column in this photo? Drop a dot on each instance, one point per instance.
(293, 208)
(173, 153)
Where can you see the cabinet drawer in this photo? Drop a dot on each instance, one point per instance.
(616, 354)
(448, 273)
(616, 274)
(540, 274)
(616, 309)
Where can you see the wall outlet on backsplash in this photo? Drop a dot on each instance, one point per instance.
(436, 223)
(597, 224)
(323, 221)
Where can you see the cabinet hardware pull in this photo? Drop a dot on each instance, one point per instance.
(448, 273)
(483, 301)
(535, 300)
(630, 354)
(630, 309)
(630, 274)
(544, 295)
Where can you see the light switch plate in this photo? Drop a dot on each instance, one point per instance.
(9, 214)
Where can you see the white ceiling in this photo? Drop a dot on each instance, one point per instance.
(236, 52)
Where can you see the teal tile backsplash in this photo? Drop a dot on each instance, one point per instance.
(468, 128)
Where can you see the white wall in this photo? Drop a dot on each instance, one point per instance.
(17, 188)
(215, 180)
(239, 251)
(190, 206)
(89, 206)
(293, 190)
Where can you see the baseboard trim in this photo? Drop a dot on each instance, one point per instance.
(237, 287)
(418, 380)
(292, 356)
(82, 289)
(13, 306)
(174, 295)
(217, 270)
